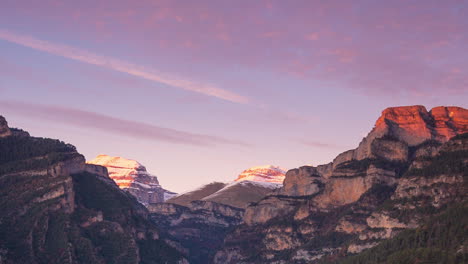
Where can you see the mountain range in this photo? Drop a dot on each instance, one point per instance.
(399, 197)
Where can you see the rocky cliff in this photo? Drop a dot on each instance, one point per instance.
(132, 177)
(412, 164)
(57, 209)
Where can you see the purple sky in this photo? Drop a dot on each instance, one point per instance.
(200, 90)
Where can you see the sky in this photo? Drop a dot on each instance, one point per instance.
(198, 91)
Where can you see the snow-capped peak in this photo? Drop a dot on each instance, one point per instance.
(268, 173)
(133, 177)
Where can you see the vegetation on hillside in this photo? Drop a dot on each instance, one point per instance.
(29, 153)
(37, 224)
(453, 162)
(443, 239)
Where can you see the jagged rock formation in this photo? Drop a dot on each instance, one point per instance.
(401, 173)
(58, 209)
(131, 176)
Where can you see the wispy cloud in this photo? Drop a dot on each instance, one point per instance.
(85, 119)
(120, 66)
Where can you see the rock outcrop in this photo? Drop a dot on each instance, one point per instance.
(302, 182)
(131, 176)
(413, 125)
(4, 129)
(413, 162)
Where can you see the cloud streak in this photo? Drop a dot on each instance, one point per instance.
(117, 126)
(120, 66)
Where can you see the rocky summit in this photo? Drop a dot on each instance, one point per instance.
(131, 176)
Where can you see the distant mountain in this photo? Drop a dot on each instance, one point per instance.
(58, 209)
(131, 176)
(411, 168)
(250, 186)
(186, 198)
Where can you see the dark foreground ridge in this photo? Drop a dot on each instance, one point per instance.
(57, 209)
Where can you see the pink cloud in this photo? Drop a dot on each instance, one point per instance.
(117, 126)
(371, 42)
(121, 66)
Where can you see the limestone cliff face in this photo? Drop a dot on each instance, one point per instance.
(302, 182)
(403, 170)
(449, 122)
(413, 125)
(131, 176)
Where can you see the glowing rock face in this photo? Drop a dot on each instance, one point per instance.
(133, 177)
(414, 124)
(272, 174)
